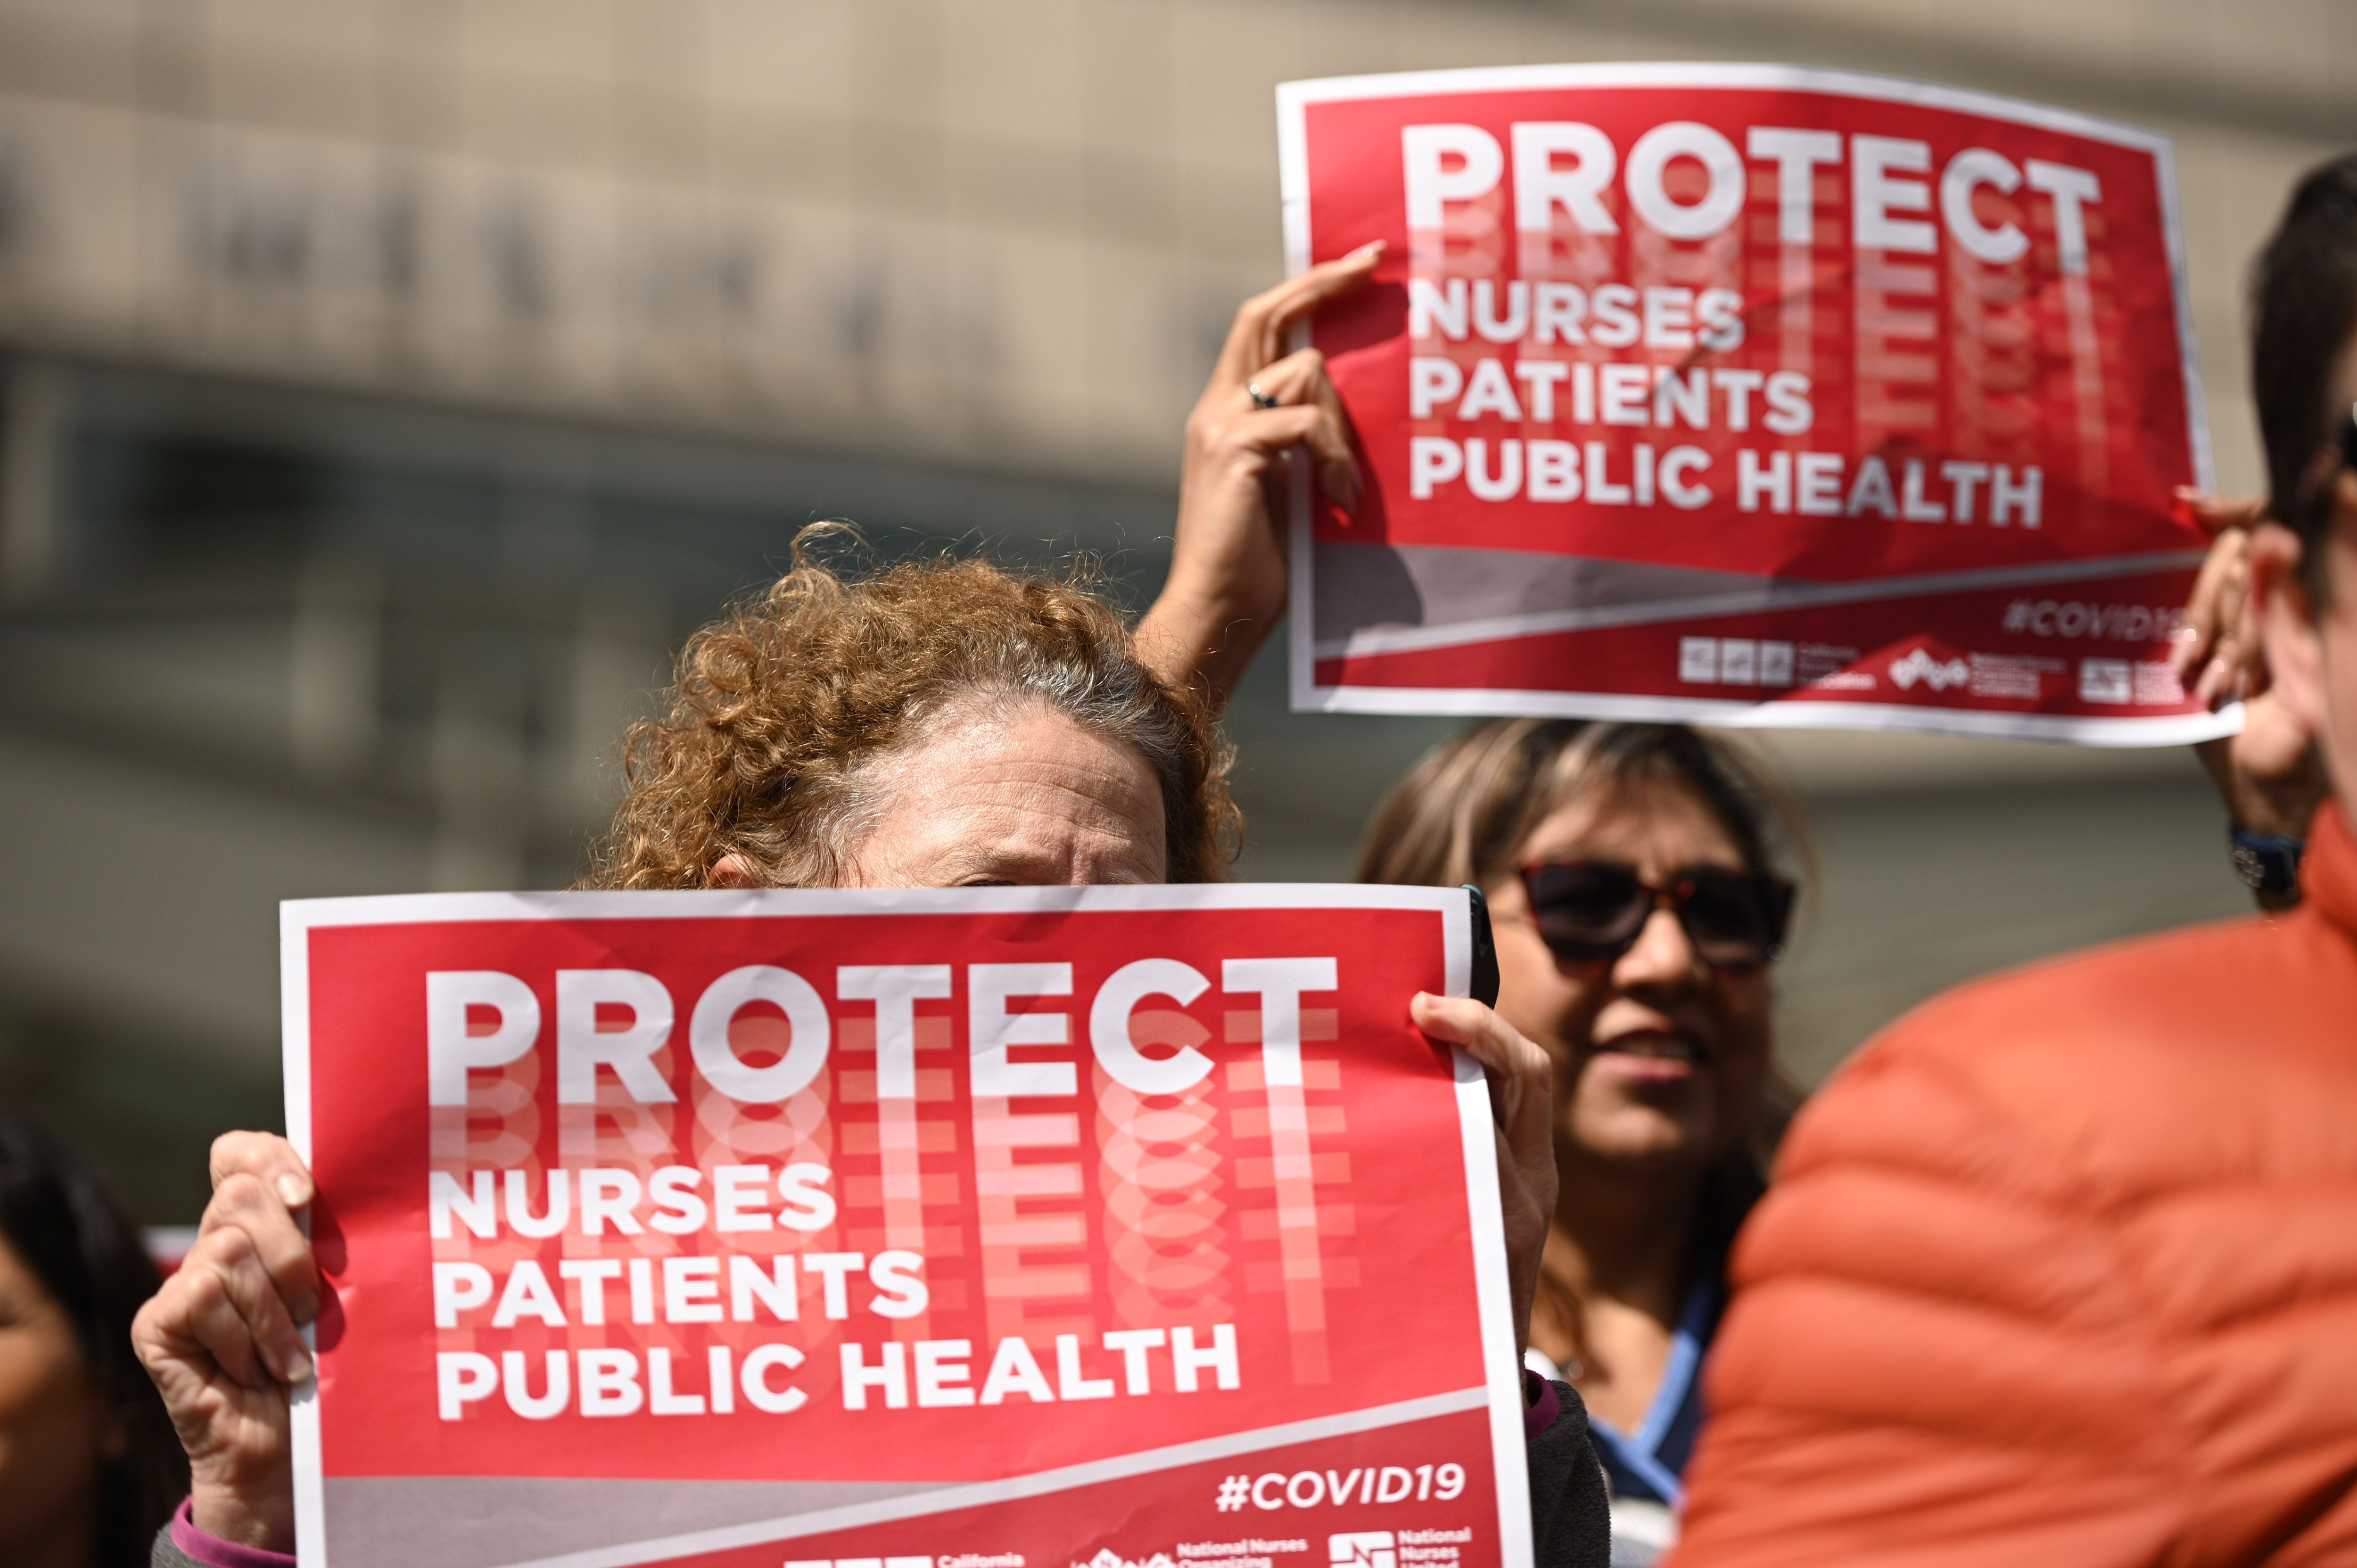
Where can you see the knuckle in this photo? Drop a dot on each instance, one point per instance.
(240, 1152)
(144, 1323)
(240, 1192)
(207, 1295)
(226, 1248)
(178, 1295)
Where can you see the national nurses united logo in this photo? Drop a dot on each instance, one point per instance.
(1936, 674)
(1362, 1549)
(1109, 1558)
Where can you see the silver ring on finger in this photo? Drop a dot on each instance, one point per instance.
(1260, 400)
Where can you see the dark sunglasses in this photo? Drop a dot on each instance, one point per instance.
(1592, 909)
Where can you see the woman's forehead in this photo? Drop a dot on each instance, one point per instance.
(1023, 797)
(1635, 820)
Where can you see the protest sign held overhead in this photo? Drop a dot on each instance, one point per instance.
(990, 1227)
(1747, 394)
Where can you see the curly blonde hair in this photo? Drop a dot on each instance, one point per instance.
(779, 704)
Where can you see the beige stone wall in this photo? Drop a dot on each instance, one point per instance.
(1004, 232)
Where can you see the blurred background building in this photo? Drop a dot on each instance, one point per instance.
(387, 385)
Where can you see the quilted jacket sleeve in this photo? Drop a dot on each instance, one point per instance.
(1930, 1359)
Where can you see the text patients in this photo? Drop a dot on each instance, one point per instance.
(481, 1019)
(1560, 169)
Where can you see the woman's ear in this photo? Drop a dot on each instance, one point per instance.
(2287, 623)
(735, 873)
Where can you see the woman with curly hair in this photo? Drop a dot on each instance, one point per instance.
(799, 719)
(940, 724)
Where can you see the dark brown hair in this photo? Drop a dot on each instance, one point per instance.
(780, 703)
(1463, 811)
(2303, 314)
(66, 1226)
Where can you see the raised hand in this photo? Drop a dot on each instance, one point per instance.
(2216, 651)
(2270, 775)
(1227, 583)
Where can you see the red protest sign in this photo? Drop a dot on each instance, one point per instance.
(1747, 394)
(991, 1228)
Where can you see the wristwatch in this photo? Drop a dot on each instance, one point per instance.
(2267, 863)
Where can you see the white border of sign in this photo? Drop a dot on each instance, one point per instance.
(1502, 1389)
(1293, 99)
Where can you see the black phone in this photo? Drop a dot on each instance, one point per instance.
(1485, 950)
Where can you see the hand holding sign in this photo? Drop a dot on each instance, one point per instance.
(1522, 1102)
(221, 1340)
(2216, 652)
(695, 1177)
(1227, 584)
(2270, 775)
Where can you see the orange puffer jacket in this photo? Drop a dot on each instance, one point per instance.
(2064, 1271)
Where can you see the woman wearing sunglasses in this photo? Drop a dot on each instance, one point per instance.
(1637, 911)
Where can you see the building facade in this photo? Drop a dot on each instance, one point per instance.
(388, 385)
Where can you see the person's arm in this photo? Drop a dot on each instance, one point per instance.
(1931, 1356)
(2270, 776)
(221, 1341)
(180, 1544)
(1571, 1511)
(1227, 584)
